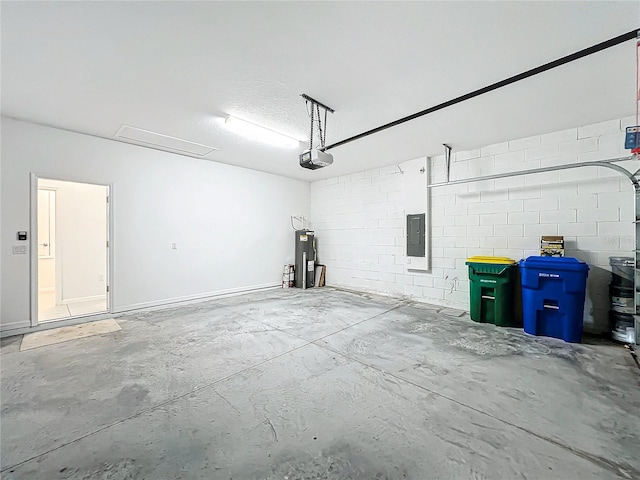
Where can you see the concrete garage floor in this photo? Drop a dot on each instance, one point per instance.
(318, 384)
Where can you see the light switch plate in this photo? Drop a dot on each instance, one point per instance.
(19, 249)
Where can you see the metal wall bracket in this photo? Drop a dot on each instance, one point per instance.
(447, 159)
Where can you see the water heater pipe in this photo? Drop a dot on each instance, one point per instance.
(304, 270)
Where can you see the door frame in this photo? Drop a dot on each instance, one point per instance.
(33, 243)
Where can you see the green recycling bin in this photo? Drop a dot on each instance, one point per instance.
(491, 290)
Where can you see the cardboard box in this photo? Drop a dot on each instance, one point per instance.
(552, 246)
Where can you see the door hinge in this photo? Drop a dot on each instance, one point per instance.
(107, 288)
(107, 243)
(107, 198)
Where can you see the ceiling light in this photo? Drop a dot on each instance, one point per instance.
(260, 134)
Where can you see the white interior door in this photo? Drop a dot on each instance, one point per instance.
(46, 222)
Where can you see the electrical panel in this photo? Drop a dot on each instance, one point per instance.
(416, 235)
(632, 138)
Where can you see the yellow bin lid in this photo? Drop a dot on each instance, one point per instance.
(485, 259)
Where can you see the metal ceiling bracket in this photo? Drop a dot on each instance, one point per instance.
(316, 102)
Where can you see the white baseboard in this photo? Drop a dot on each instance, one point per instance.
(14, 326)
(195, 298)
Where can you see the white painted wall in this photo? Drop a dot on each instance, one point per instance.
(359, 218)
(80, 238)
(231, 224)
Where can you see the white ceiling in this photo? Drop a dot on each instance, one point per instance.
(171, 67)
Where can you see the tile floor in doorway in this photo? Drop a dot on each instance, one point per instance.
(317, 384)
(48, 310)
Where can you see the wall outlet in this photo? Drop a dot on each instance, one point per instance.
(19, 249)
(174, 246)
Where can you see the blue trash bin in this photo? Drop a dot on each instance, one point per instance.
(553, 291)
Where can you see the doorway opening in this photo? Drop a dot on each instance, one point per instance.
(72, 235)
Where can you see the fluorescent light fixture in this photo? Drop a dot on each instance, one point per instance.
(260, 134)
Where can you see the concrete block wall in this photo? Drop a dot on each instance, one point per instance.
(359, 219)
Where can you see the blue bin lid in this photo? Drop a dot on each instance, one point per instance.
(561, 263)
